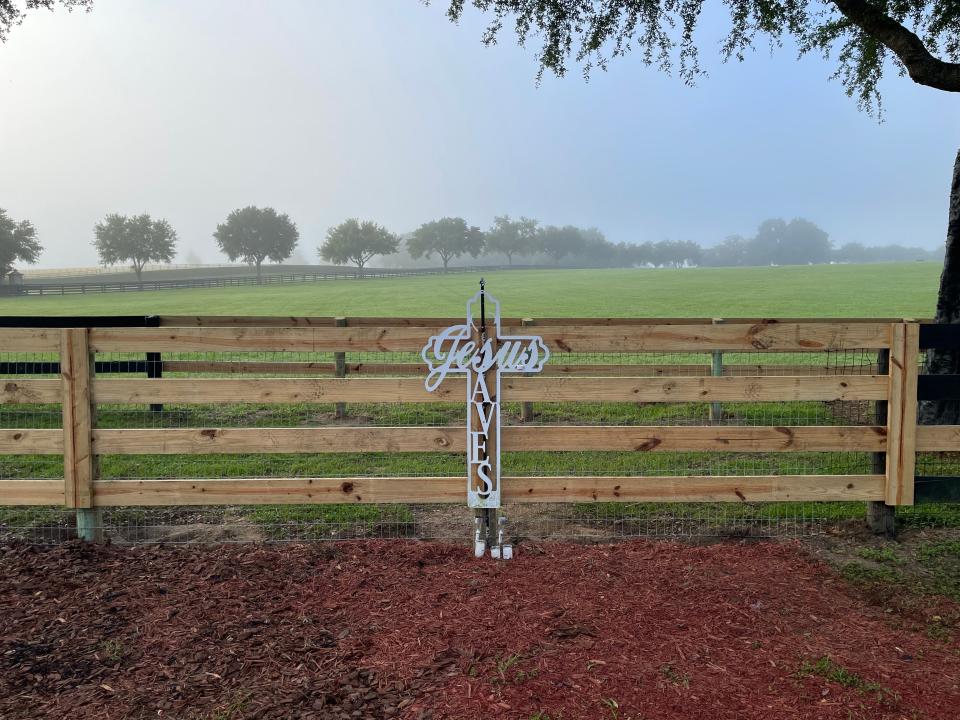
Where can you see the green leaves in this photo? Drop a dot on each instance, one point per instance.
(860, 34)
(138, 240)
(353, 241)
(254, 234)
(18, 241)
(448, 238)
(512, 237)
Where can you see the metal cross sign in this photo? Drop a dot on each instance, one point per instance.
(483, 354)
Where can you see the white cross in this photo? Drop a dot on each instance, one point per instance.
(471, 349)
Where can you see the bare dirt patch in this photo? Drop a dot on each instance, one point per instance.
(407, 629)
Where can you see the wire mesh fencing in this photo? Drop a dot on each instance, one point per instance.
(576, 521)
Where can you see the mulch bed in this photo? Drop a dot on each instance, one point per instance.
(404, 629)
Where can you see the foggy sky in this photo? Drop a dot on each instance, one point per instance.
(384, 110)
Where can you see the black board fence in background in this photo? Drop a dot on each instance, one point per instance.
(90, 287)
(941, 487)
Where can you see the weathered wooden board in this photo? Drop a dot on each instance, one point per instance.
(516, 389)
(17, 391)
(243, 321)
(278, 321)
(17, 340)
(280, 440)
(938, 438)
(78, 456)
(279, 491)
(246, 367)
(31, 492)
(306, 390)
(805, 438)
(31, 442)
(259, 339)
(250, 367)
(514, 438)
(902, 413)
(270, 491)
(776, 337)
(781, 488)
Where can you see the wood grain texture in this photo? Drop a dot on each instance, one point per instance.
(514, 389)
(260, 339)
(271, 491)
(515, 438)
(442, 322)
(776, 337)
(17, 391)
(251, 367)
(780, 488)
(694, 389)
(31, 492)
(31, 442)
(281, 491)
(902, 414)
(938, 438)
(78, 458)
(29, 340)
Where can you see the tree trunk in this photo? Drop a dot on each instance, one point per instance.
(259, 275)
(947, 362)
(446, 260)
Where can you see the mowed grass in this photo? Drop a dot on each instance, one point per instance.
(883, 290)
(879, 290)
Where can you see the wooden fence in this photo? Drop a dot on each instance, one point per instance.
(84, 384)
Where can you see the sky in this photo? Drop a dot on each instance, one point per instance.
(384, 110)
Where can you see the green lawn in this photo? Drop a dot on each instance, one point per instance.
(883, 290)
(880, 290)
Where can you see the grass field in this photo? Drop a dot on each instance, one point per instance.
(882, 290)
(879, 290)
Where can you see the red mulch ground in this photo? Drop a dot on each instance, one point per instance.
(404, 629)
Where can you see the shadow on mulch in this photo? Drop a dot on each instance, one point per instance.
(404, 629)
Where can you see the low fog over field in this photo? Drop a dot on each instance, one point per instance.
(385, 111)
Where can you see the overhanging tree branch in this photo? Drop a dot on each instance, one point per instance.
(922, 67)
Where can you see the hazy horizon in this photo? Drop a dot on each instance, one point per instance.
(388, 112)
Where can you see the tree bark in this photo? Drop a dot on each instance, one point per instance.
(922, 67)
(947, 362)
(259, 277)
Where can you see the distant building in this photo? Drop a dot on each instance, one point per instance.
(14, 283)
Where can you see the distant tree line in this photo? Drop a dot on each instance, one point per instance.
(254, 235)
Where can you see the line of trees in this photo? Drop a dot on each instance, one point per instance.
(254, 235)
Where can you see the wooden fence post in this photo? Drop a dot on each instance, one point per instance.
(79, 463)
(340, 370)
(526, 409)
(716, 370)
(881, 518)
(902, 414)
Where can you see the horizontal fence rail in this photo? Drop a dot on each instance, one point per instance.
(349, 387)
(41, 288)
